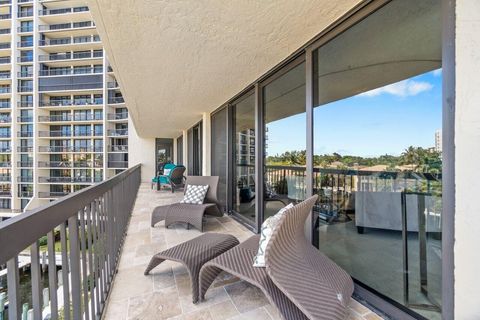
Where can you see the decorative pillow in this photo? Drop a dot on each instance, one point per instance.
(166, 172)
(268, 226)
(195, 194)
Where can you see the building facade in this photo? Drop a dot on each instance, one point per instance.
(63, 120)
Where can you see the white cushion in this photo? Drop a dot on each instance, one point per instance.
(268, 226)
(195, 194)
(166, 172)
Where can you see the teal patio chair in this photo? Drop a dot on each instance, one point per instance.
(172, 177)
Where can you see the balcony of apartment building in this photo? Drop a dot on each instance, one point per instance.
(54, 133)
(5, 164)
(5, 2)
(25, 164)
(71, 43)
(60, 103)
(5, 48)
(118, 116)
(117, 133)
(25, 179)
(68, 117)
(53, 14)
(118, 148)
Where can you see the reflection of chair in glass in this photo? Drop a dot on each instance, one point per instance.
(296, 188)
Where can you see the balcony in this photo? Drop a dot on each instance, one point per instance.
(5, 134)
(25, 104)
(69, 103)
(115, 100)
(5, 2)
(25, 14)
(66, 26)
(5, 193)
(119, 148)
(49, 12)
(25, 149)
(5, 119)
(117, 132)
(28, 28)
(25, 119)
(52, 134)
(5, 31)
(5, 75)
(5, 178)
(5, 16)
(25, 44)
(5, 89)
(25, 74)
(25, 194)
(68, 41)
(65, 179)
(25, 89)
(5, 45)
(25, 59)
(118, 116)
(71, 87)
(54, 164)
(25, 179)
(25, 164)
(5, 164)
(25, 134)
(118, 164)
(53, 195)
(5, 60)
(69, 117)
(54, 149)
(70, 56)
(69, 72)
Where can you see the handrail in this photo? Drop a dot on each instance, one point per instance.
(93, 222)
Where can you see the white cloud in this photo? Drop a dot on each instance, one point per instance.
(437, 72)
(402, 89)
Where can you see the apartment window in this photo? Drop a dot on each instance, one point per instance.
(82, 69)
(98, 68)
(26, 26)
(98, 129)
(98, 145)
(81, 99)
(82, 130)
(98, 114)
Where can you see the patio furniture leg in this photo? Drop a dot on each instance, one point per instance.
(155, 261)
(207, 276)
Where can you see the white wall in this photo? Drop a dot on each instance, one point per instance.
(141, 150)
(467, 160)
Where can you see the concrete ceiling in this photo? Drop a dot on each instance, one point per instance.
(175, 60)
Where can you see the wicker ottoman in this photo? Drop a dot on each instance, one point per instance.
(194, 254)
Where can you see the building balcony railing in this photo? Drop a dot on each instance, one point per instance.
(25, 134)
(5, 31)
(5, 16)
(25, 119)
(25, 194)
(25, 74)
(5, 105)
(117, 132)
(49, 12)
(24, 14)
(25, 59)
(69, 117)
(70, 56)
(54, 134)
(24, 89)
(54, 149)
(5, 149)
(5, 90)
(113, 85)
(4, 2)
(119, 148)
(68, 103)
(25, 179)
(25, 164)
(66, 26)
(5, 164)
(75, 86)
(5, 60)
(5, 75)
(5, 45)
(53, 194)
(25, 148)
(69, 71)
(114, 100)
(5, 193)
(24, 1)
(117, 116)
(6, 119)
(87, 133)
(25, 104)
(69, 40)
(28, 28)
(5, 134)
(118, 164)
(5, 178)
(79, 179)
(54, 164)
(24, 44)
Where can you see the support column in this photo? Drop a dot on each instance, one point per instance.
(206, 144)
(185, 150)
(461, 102)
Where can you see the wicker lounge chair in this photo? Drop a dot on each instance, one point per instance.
(191, 214)
(300, 281)
(174, 179)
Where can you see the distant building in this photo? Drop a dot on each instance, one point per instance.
(438, 140)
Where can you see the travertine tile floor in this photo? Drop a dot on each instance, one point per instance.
(165, 294)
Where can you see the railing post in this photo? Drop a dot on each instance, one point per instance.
(13, 285)
(75, 267)
(36, 280)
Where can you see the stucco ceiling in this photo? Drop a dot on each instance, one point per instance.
(177, 59)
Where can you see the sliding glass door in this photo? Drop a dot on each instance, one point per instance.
(194, 139)
(377, 170)
(243, 158)
(284, 120)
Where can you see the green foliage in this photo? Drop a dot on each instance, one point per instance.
(417, 159)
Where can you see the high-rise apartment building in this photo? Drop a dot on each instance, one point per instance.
(438, 141)
(63, 120)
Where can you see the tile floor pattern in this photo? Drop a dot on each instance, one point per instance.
(165, 293)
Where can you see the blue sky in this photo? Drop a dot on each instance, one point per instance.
(383, 121)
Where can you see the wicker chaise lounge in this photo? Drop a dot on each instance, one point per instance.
(299, 280)
(191, 214)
